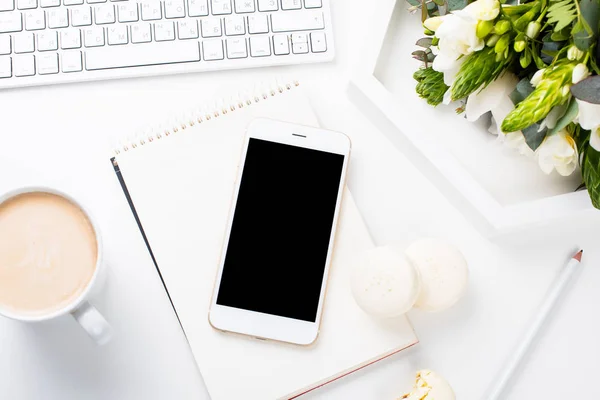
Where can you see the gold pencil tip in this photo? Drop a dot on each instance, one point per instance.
(578, 255)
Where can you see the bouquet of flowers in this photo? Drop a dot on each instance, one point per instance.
(534, 65)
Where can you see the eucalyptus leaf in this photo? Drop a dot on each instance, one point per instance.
(590, 11)
(590, 167)
(533, 136)
(419, 55)
(439, 2)
(454, 5)
(522, 90)
(568, 117)
(587, 90)
(414, 2)
(424, 42)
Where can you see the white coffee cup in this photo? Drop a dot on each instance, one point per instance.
(80, 308)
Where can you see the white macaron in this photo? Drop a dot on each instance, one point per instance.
(443, 270)
(384, 283)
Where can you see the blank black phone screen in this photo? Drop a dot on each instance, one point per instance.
(282, 226)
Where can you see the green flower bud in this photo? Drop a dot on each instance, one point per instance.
(435, 41)
(525, 59)
(428, 32)
(574, 53)
(502, 44)
(491, 42)
(502, 27)
(533, 29)
(520, 45)
(484, 28)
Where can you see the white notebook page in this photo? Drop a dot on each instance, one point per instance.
(181, 187)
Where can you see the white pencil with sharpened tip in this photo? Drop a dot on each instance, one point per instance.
(505, 375)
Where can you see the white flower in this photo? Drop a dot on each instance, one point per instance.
(433, 23)
(589, 118)
(537, 77)
(483, 10)
(595, 138)
(553, 117)
(574, 53)
(492, 98)
(580, 72)
(558, 152)
(516, 140)
(457, 38)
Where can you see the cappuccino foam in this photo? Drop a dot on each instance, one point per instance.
(48, 253)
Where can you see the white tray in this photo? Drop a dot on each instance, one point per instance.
(496, 188)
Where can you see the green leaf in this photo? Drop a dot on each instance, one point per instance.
(533, 136)
(590, 13)
(590, 168)
(587, 90)
(439, 2)
(424, 13)
(568, 117)
(419, 55)
(560, 36)
(522, 90)
(561, 13)
(454, 5)
(424, 42)
(414, 3)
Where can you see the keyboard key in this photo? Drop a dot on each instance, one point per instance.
(244, 6)
(72, 2)
(312, 4)
(197, 8)
(58, 18)
(297, 21)
(5, 67)
(236, 48)
(95, 1)
(281, 45)
(174, 9)
(260, 46)
(164, 31)
(7, 5)
(299, 38)
(291, 4)
(299, 48)
(26, 4)
(187, 29)
(318, 42)
(10, 22)
(128, 12)
(105, 14)
(148, 54)
(141, 33)
(49, 3)
(5, 46)
(212, 49)
(47, 41)
(81, 16)
(24, 65)
(268, 5)
(117, 34)
(234, 25)
(258, 23)
(71, 61)
(211, 27)
(93, 36)
(151, 10)
(70, 39)
(221, 7)
(47, 63)
(35, 20)
(23, 42)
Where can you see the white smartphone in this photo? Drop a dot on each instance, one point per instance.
(274, 266)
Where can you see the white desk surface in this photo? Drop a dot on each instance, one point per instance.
(63, 134)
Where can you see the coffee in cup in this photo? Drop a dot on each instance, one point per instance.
(50, 258)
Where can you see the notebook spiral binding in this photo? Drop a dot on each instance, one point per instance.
(198, 117)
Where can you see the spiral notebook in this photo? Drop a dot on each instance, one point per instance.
(179, 184)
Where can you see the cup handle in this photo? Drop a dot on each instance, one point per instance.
(93, 322)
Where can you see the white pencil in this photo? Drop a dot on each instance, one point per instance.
(503, 378)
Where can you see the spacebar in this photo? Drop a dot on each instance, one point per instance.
(141, 54)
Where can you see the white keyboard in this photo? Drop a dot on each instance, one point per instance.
(59, 41)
